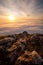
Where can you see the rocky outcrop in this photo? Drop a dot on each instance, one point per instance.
(21, 49)
(36, 58)
(29, 58)
(35, 38)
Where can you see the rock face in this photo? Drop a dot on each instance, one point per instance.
(36, 58)
(25, 34)
(24, 59)
(7, 42)
(29, 58)
(35, 38)
(21, 49)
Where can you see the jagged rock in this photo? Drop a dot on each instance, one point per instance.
(16, 53)
(25, 34)
(23, 41)
(7, 42)
(12, 48)
(35, 38)
(7, 39)
(24, 59)
(29, 58)
(36, 58)
(18, 49)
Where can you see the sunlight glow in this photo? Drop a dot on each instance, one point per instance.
(11, 17)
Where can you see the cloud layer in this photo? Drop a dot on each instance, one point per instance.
(21, 7)
(32, 26)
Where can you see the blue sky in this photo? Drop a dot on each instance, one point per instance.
(25, 8)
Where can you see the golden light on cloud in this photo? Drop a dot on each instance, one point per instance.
(11, 18)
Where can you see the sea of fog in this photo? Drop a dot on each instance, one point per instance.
(31, 26)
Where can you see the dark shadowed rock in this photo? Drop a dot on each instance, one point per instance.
(29, 58)
(25, 34)
(35, 39)
(7, 42)
(36, 58)
(24, 59)
(18, 49)
(16, 53)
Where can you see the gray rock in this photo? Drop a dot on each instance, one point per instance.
(36, 58)
(35, 38)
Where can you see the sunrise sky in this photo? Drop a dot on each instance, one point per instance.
(14, 14)
(22, 8)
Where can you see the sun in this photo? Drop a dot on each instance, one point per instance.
(11, 17)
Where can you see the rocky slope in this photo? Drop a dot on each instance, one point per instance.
(21, 49)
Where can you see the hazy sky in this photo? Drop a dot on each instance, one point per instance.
(29, 13)
(30, 8)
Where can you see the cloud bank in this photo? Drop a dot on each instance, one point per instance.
(21, 8)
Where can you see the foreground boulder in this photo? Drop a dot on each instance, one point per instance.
(24, 59)
(15, 53)
(29, 58)
(21, 49)
(36, 58)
